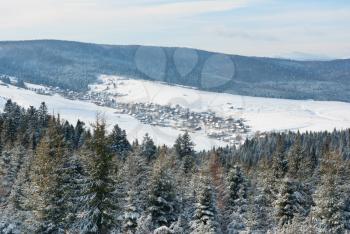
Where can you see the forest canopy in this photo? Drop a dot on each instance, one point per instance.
(61, 177)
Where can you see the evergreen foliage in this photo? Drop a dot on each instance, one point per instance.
(56, 177)
(184, 145)
(119, 143)
(148, 148)
(162, 199)
(205, 217)
(99, 198)
(47, 183)
(331, 197)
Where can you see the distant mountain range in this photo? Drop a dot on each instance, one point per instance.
(74, 65)
(300, 56)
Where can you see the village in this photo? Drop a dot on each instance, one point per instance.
(229, 130)
(224, 129)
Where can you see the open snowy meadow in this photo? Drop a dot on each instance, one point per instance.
(261, 114)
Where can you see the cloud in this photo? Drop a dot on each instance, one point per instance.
(251, 27)
(30, 13)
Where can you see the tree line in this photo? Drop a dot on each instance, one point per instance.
(56, 177)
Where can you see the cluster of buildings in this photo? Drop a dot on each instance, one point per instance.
(229, 130)
(225, 129)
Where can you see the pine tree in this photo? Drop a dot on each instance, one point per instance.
(148, 149)
(18, 195)
(280, 163)
(47, 195)
(4, 170)
(135, 173)
(97, 213)
(12, 217)
(184, 145)
(10, 125)
(286, 204)
(162, 198)
(330, 210)
(79, 134)
(259, 218)
(73, 178)
(296, 157)
(205, 218)
(10, 165)
(188, 164)
(68, 133)
(43, 115)
(119, 143)
(237, 187)
(8, 106)
(309, 164)
(237, 207)
(131, 215)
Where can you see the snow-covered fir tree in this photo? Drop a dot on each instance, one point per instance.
(74, 178)
(46, 190)
(184, 145)
(237, 186)
(134, 174)
(119, 143)
(280, 162)
(162, 201)
(237, 199)
(10, 164)
(148, 148)
(286, 204)
(296, 157)
(99, 200)
(331, 209)
(131, 215)
(205, 217)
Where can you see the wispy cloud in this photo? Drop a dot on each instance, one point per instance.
(251, 27)
(28, 13)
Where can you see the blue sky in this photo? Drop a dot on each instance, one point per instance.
(278, 28)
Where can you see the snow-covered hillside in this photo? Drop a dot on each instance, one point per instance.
(262, 114)
(72, 110)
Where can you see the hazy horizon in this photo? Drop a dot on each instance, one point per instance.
(268, 28)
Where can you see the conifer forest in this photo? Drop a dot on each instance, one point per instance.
(62, 177)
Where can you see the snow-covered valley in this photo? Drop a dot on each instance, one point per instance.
(260, 114)
(72, 110)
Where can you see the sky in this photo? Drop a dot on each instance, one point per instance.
(274, 28)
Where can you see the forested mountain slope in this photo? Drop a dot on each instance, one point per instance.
(74, 65)
(56, 177)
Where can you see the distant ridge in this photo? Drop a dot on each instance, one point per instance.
(73, 65)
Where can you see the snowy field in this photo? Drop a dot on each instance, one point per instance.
(73, 110)
(262, 114)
